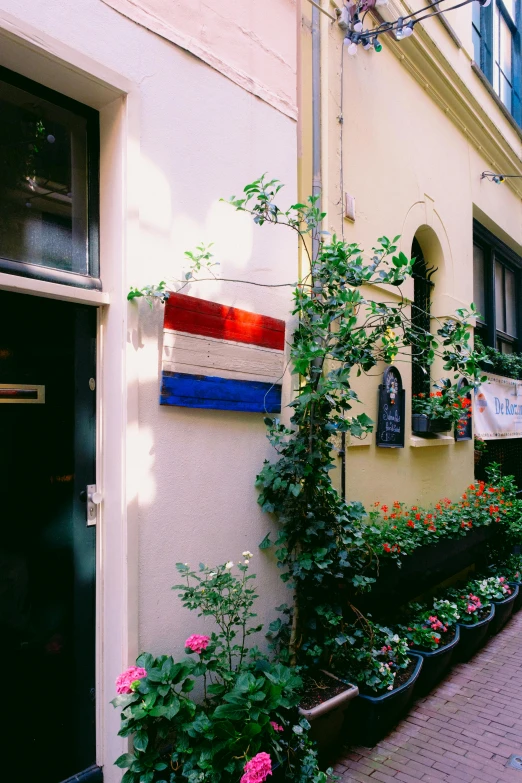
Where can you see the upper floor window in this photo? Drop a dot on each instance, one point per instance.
(496, 283)
(420, 318)
(496, 44)
(48, 184)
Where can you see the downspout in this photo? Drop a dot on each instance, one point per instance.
(316, 116)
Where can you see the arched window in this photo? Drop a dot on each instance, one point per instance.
(420, 316)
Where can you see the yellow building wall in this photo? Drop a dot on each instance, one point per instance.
(418, 128)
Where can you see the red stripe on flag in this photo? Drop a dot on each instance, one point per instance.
(197, 316)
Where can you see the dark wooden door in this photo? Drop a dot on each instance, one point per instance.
(47, 551)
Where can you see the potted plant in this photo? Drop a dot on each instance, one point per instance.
(497, 590)
(474, 621)
(245, 722)
(511, 568)
(378, 661)
(433, 634)
(323, 704)
(438, 410)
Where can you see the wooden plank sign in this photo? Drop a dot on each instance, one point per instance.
(390, 415)
(221, 357)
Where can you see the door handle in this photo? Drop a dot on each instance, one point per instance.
(94, 498)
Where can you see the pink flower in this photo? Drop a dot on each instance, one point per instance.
(197, 643)
(276, 726)
(257, 769)
(128, 678)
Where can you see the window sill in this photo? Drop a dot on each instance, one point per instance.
(485, 81)
(416, 441)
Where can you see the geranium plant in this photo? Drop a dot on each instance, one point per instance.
(493, 588)
(431, 627)
(246, 722)
(371, 656)
(446, 401)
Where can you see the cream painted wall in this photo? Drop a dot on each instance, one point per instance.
(411, 158)
(177, 135)
(248, 42)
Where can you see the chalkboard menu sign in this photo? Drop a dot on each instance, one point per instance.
(464, 426)
(390, 416)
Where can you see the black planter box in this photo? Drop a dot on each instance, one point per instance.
(472, 637)
(518, 600)
(422, 424)
(426, 567)
(370, 718)
(435, 664)
(503, 611)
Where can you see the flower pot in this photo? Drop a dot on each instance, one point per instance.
(503, 611)
(369, 718)
(326, 719)
(435, 664)
(422, 424)
(472, 637)
(518, 600)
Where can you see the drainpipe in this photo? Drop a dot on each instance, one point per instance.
(316, 115)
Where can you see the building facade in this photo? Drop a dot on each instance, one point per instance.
(406, 133)
(184, 106)
(125, 123)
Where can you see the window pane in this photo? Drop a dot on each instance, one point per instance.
(479, 298)
(510, 7)
(504, 347)
(496, 49)
(505, 92)
(476, 44)
(499, 297)
(511, 299)
(43, 182)
(506, 43)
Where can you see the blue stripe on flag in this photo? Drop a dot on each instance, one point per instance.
(202, 391)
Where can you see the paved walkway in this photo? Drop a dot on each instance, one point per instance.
(463, 732)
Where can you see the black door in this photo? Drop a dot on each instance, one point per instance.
(47, 551)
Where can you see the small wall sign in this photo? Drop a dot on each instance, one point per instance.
(464, 426)
(221, 357)
(390, 415)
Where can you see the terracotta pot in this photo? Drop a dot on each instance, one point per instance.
(326, 719)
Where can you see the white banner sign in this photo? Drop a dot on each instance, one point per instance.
(498, 409)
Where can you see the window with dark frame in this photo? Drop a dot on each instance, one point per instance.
(420, 317)
(497, 274)
(497, 49)
(49, 161)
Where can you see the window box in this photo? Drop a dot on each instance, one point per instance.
(421, 424)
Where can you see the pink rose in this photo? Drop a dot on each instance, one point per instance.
(276, 726)
(128, 677)
(257, 769)
(197, 643)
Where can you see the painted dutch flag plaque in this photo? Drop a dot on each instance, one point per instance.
(221, 357)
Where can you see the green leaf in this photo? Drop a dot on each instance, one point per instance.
(125, 760)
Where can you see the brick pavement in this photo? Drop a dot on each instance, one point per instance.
(464, 731)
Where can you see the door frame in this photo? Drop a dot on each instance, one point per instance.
(69, 71)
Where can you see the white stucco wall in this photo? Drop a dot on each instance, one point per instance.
(193, 135)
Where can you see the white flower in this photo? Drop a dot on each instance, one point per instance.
(212, 574)
(395, 638)
(229, 565)
(247, 562)
(390, 688)
(247, 554)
